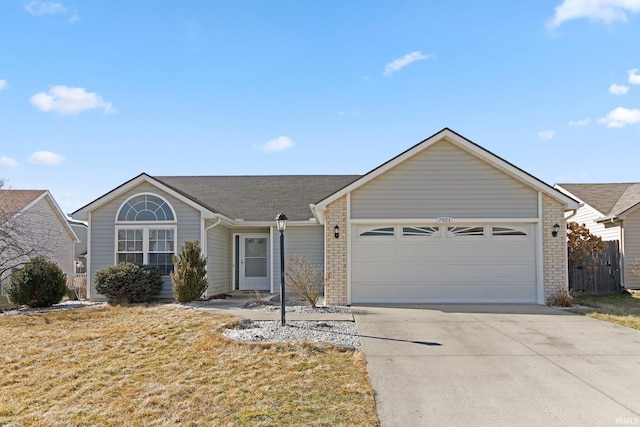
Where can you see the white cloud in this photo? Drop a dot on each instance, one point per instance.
(8, 162)
(546, 134)
(582, 122)
(615, 89)
(634, 77)
(45, 158)
(280, 143)
(69, 100)
(400, 63)
(3, 84)
(621, 117)
(607, 11)
(40, 8)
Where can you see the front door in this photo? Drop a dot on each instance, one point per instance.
(254, 257)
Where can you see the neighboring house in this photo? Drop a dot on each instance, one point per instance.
(80, 248)
(612, 212)
(31, 223)
(444, 221)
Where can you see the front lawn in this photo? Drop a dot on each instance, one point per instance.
(165, 365)
(621, 308)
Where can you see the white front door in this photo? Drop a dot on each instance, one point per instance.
(254, 262)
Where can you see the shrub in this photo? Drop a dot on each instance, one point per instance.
(189, 273)
(561, 298)
(582, 245)
(128, 283)
(40, 283)
(305, 279)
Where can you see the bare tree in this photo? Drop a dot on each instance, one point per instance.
(23, 234)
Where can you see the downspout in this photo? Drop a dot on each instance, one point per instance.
(205, 244)
(622, 259)
(574, 212)
(213, 225)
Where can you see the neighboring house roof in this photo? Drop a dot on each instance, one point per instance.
(469, 146)
(258, 198)
(14, 202)
(610, 199)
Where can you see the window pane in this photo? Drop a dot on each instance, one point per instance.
(255, 247)
(466, 231)
(255, 267)
(384, 231)
(164, 262)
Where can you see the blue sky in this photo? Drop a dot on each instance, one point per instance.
(94, 93)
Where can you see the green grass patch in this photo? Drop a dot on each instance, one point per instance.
(620, 308)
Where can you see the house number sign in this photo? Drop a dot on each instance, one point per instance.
(443, 219)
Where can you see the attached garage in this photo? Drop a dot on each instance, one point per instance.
(444, 263)
(445, 222)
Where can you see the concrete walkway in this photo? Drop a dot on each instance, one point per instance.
(499, 365)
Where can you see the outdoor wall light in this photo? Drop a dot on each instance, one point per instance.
(336, 231)
(281, 224)
(556, 227)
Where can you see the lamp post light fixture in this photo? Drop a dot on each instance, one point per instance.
(336, 231)
(556, 227)
(281, 223)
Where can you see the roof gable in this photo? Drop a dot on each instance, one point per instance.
(82, 213)
(466, 145)
(16, 202)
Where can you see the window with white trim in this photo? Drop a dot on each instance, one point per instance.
(383, 231)
(145, 234)
(420, 231)
(507, 231)
(466, 231)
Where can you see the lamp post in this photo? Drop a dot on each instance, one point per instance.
(281, 222)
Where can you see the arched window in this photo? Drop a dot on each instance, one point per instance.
(146, 232)
(145, 207)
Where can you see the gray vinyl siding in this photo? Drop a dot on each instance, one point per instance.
(50, 226)
(444, 180)
(301, 241)
(587, 215)
(103, 222)
(631, 249)
(218, 260)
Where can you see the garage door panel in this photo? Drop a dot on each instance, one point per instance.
(419, 251)
(374, 251)
(444, 268)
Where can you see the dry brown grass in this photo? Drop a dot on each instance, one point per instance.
(620, 308)
(168, 365)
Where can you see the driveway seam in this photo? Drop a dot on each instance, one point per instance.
(555, 364)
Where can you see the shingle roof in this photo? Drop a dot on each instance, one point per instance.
(258, 198)
(13, 201)
(609, 199)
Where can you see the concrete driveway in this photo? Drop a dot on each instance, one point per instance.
(499, 365)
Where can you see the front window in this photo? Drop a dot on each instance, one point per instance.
(142, 240)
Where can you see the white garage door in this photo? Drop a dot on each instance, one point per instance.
(443, 263)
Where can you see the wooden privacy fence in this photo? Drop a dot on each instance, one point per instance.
(604, 277)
